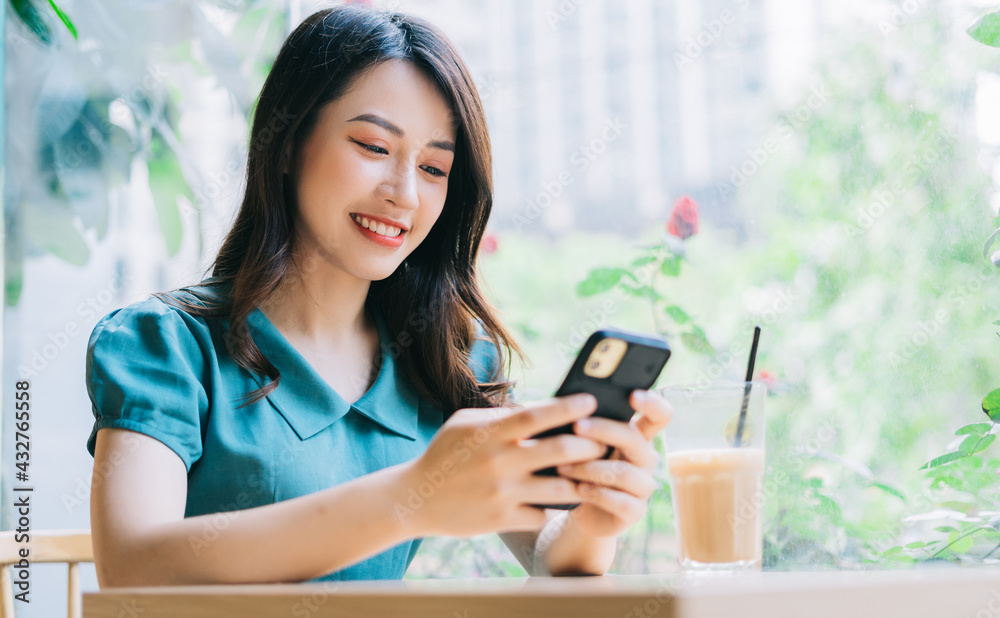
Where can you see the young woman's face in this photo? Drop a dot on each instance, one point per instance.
(379, 155)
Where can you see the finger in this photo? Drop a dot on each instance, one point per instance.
(654, 412)
(536, 417)
(536, 454)
(527, 518)
(494, 417)
(615, 474)
(624, 436)
(620, 504)
(549, 490)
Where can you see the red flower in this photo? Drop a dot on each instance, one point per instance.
(488, 244)
(767, 378)
(683, 218)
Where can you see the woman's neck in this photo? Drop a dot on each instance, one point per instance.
(320, 304)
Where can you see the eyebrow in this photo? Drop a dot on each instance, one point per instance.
(391, 128)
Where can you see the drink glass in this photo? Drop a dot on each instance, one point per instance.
(716, 481)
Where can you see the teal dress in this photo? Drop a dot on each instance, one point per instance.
(157, 370)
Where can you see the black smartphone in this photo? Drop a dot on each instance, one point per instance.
(611, 364)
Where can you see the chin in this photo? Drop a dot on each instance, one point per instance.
(374, 272)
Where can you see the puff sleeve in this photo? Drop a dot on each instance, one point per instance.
(145, 370)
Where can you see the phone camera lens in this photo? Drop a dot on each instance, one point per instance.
(605, 347)
(595, 364)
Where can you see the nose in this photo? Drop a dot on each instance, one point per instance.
(400, 187)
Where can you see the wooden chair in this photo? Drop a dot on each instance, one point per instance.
(70, 546)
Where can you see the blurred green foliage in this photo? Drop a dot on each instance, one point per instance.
(856, 246)
(986, 30)
(112, 103)
(26, 11)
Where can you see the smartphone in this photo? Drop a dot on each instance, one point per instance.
(611, 364)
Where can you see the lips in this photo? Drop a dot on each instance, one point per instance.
(379, 231)
(385, 227)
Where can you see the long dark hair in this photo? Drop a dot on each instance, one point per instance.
(431, 301)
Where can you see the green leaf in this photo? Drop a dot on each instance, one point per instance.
(14, 284)
(52, 227)
(987, 441)
(986, 30)
(946, 529)
(828, 507)
(64, 18)
(29, 15)
(991, 405)
(696, 341)
(976, 444)
(957, 545)
(978, 429)
(167, 183)
(671, 266)
(646, 259)
(915, 545)
(997, 323)
(13, 265)
(889, 489)
(948, 481)
(957, 505)
(527, 331)
(943, 459)
(599, 280)
(968, 445)
(893, 550)
(677, 314)
(642, 291)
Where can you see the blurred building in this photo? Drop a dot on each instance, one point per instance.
(592, 103)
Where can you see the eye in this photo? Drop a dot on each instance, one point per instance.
(371, 148)
(433, 171)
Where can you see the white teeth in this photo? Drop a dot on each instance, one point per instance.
(379, 228)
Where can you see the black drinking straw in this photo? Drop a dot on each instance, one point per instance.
(746, 389)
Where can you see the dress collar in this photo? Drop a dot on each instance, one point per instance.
(310, 404)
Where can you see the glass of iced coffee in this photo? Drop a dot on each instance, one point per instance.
(715, 460)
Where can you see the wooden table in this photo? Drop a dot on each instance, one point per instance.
(922, 593)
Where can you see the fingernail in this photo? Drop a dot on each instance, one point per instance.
(640, 396)
(583, 425)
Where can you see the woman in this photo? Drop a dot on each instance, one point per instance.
(332, 393)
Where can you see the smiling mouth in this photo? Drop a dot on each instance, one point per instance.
(382, 229)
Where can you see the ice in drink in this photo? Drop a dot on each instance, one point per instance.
(717, 497)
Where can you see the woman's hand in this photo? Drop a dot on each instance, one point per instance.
(614, 491)
(476, 474)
